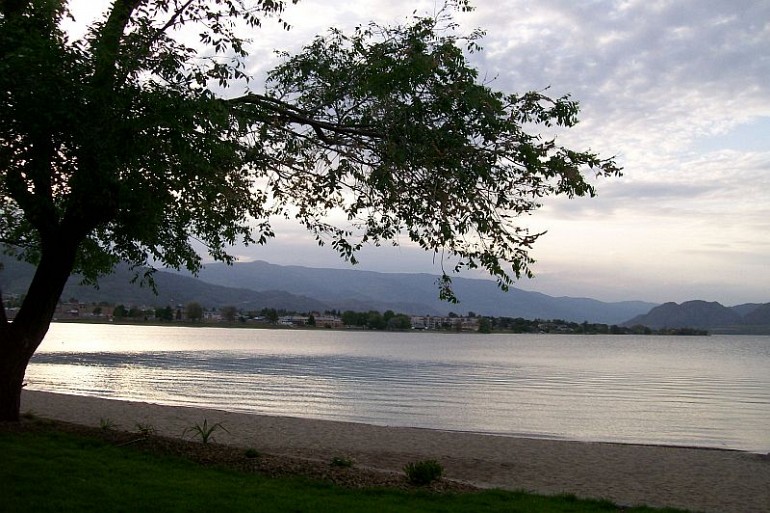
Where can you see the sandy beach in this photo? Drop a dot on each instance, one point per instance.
(705, 480)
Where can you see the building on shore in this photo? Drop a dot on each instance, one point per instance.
(433, 322)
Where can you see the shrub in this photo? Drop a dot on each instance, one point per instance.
(423, 472)
(251, 453)
(107, 424)
(146, 430)
(204, 431)
(339, 461)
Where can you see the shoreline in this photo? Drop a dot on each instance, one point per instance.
(269, 326)
(699, 479)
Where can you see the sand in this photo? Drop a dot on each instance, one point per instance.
(697, 479)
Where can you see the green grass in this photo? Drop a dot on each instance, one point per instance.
(46, 471)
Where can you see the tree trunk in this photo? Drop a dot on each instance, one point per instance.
(20, 338)
(13, 364)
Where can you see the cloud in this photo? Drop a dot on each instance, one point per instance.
(678, 90)
(648, 74)
(661, 85)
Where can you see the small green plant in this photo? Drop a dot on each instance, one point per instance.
(339, 461)
(146, 430)
(252, 453)
(107, 424)
(32, 417)
(422, 473)
(204, 431)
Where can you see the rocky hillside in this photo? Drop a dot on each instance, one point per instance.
(254, 285)
(712, 316)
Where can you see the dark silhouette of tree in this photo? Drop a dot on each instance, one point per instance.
(193, 311)
(271, 315)
(121, 146)
(399, 322)
(164, 314)
(228, 313)
(119, 312)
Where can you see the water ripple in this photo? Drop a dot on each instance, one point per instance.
(667, 393)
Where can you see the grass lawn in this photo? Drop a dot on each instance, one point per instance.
(48, 470)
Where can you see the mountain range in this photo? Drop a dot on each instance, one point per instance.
(712, 316)
(257, 285)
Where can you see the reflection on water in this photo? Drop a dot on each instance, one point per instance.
(703, 391)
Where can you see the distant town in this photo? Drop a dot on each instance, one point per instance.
(193, 313)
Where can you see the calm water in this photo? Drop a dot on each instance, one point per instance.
(701, 391)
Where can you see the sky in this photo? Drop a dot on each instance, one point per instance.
(677, 90)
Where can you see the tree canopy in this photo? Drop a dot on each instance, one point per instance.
(133, 144)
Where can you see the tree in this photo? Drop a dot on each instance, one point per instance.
(164, 314)
(122, 146)
(271, 314)
(228, 313)
(399, 322)
(374, 320)
(120, 312)
(193, 311)
(351, 318)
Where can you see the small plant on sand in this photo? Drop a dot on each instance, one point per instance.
(339, 461)
(205, 431)
(422, 473)
(32, 417)
(107, 424)
(146, 430)
(252, 453)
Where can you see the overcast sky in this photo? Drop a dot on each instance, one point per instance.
(678, 90)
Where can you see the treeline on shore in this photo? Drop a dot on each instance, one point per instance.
(519, 325)
(193, 312)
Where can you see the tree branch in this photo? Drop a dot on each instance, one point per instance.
(171, 21)
(296, 115)
(12, 7)
(40, 212)
(107, 45)
(3, 315)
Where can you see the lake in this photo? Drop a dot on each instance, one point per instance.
(696, 391)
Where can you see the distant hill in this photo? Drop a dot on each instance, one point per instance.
(747, 318)
(172, 288)
(415, 293)
(692, 314)
(745, 309)
(760, 316)
(256, 285)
